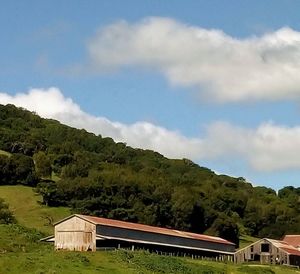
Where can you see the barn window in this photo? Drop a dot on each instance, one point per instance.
(251, 248)
(265, 248)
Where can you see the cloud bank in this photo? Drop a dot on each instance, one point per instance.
(220, 67)
(269, 147)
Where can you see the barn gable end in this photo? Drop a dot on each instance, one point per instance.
(269, 251)
(76, 234)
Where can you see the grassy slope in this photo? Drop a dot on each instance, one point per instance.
(20, 251)
(26, 206)
(247, 240)
(2, 152)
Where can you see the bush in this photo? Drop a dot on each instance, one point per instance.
(6, 216)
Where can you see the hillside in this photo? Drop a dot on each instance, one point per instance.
(94, 175)
(30, 212)
(21, 250)
(26, 206)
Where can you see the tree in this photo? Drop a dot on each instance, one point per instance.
(48, 190)
(42, 165)
(17, 169)
(5, 171)
(24, 172)
(226, 228)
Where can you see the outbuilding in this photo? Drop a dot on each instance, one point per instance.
(270, 251)
(88, 233)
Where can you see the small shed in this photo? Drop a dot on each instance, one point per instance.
(88, 233)
(269, 251)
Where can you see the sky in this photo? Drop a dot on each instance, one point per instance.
(217, 82)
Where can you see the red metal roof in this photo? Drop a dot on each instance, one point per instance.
(293, 240)
(285, 246)
(154, 229)
(291, 251)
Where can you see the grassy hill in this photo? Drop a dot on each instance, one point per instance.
(27, 208)
(21, 252)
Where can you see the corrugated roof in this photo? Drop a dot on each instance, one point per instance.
(293, 240)
(154, 229)
(292, 251)
(285, 246)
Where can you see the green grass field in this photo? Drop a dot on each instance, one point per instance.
(27, 208)
(21, 252)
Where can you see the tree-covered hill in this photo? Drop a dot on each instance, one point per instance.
(95, 175)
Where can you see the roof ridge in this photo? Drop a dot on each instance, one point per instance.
(149, 228)
(292, 235)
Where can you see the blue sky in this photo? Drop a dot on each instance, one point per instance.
(188, 100)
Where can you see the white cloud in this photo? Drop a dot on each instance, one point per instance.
(268, 147)
(219, 66)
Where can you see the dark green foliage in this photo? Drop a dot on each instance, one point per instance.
(17, 169)
(95, 175)
(291, 195)
(6, 216)
(226, 228)
(42, 164)
(48, 190)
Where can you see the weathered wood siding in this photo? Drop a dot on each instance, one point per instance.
(254, 253)
(75, 234)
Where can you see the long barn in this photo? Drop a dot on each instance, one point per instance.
(84, 233)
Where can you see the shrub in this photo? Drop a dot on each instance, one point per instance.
(6, 216)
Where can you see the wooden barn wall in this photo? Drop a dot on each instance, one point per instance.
(253, 253)
(75, 234)
(160, 238)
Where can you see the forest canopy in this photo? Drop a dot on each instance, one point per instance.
(95, 175)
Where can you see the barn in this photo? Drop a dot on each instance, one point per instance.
(269, 251)
(88, 233)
